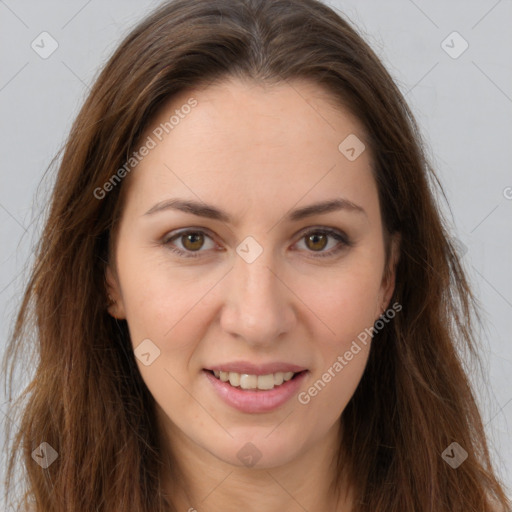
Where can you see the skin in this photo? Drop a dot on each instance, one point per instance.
(257, 152)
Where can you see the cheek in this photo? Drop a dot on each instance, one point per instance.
(162, 305)
(347, 375)
(163, 302)
(333, 383)
(344, 312)
(343, 303)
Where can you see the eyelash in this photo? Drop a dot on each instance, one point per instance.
(337, 235)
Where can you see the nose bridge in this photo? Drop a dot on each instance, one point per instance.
(258, 304)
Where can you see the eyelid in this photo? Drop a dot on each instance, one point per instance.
(343, 240)
(173, 235)
(183, 231)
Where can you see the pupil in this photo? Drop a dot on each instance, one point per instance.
(193, 238)
(314, 238)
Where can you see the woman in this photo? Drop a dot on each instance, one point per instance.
(245, 295)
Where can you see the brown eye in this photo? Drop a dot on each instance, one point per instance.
(325, 242)
(316, 241)
(189, 243)
(192, 241)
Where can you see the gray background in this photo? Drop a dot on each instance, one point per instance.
(463, 106)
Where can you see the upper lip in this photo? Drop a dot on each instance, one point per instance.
(256, 369)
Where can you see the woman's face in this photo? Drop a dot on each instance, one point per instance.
(224, 270)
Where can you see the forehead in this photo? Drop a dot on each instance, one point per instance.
(244, 141)
(243, 115)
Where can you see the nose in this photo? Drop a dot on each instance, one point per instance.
(258, 305)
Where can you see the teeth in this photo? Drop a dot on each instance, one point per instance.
(265, 381)
(234, 379)
(278, 378)
(245, 381)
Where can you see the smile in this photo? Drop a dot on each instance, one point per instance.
(247, 381)
(250, 393)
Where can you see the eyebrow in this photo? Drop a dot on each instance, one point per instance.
(211, 212)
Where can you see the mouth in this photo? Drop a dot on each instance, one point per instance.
(252, 382)
(260, 392)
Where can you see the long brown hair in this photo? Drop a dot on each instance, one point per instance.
(87, 399)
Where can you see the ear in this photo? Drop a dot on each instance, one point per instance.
(389, 277)
(115, 305)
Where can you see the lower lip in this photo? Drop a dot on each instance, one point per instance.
(257, 400)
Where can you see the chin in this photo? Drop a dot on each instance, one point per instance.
(257, 451)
